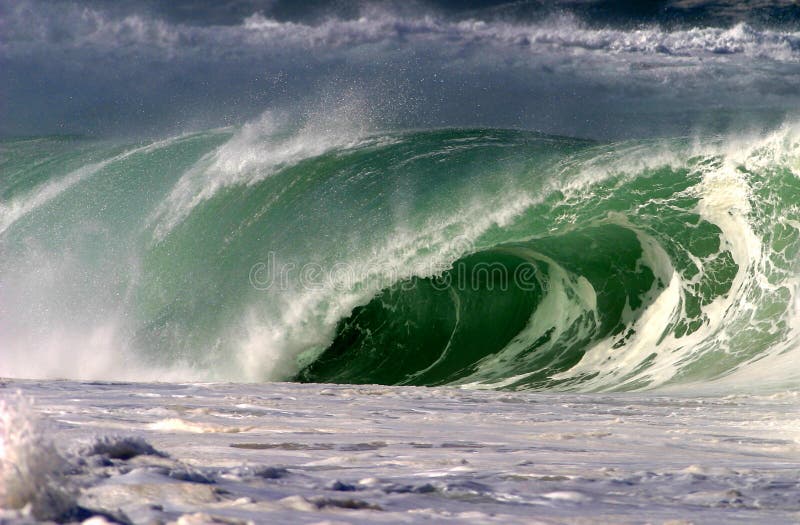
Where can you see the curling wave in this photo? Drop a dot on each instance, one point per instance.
(478, 257)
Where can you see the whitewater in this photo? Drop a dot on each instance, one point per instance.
(406, 264)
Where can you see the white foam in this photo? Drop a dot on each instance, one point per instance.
(725, 200)
(32, 471)
(181, 425)
(70, 27)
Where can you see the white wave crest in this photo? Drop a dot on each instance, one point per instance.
(31, 26)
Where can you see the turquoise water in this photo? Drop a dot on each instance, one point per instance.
(484, 257)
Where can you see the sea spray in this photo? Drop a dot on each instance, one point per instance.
(32, 471)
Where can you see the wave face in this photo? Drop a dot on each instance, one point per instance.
(486, 258)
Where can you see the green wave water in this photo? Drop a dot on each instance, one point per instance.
(477, 257)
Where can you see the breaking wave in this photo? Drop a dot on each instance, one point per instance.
(486, 258)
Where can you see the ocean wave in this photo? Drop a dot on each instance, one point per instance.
(325, 256)
(31, 27)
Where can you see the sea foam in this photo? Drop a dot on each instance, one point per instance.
(32, 471)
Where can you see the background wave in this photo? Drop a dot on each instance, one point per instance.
(597, 69)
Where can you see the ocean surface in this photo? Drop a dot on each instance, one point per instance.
(496, 262)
